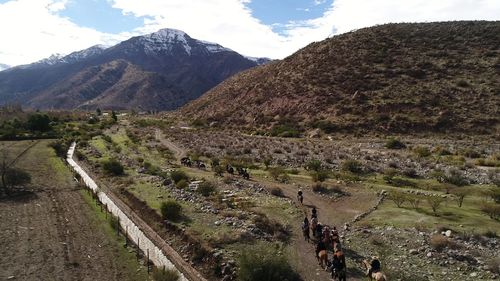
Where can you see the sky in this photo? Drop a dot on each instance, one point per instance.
(31, 30)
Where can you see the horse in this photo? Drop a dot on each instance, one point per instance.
(323, 258)
(377, 276)
(186, 161)
(338, 266)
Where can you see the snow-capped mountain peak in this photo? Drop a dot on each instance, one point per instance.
(83, 54)
(164, 39)
(53, 59)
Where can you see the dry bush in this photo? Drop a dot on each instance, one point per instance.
(494, 265)
(277, 192)
(439, 242)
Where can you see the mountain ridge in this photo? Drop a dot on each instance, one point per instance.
(189, 65)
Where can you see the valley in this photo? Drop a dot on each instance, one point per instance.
(357, 193)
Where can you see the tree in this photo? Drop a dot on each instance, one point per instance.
(98, 111)
(11, 176)
(39, 122)
(398, 198)
(113, 116)
(435, 203)
(460, 194)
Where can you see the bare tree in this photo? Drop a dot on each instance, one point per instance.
(10, 175)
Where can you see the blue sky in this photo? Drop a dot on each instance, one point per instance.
(100, 15)
(35, 29)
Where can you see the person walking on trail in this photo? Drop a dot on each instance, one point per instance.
(305, 229)
(300, 197)
(314, 213)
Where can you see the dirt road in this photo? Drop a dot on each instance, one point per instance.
(53, 234)
(178, 152)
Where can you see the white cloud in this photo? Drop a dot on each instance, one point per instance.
(231, 23)
(347, 15)
(32, 30)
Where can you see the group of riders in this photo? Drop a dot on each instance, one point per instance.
(243, 172)
(326, 238)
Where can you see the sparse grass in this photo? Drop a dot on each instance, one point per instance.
(134, 270)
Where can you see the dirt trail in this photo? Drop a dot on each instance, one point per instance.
(178, 152)
(53, 235)
(330, 212)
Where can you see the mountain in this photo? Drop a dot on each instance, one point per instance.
(3, 66)
(160, 71)
(393, 78)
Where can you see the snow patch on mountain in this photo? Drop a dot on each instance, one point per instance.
(259, 61)
(164, 40)
(213, 47)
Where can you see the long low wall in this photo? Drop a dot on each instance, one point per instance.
(156, 255)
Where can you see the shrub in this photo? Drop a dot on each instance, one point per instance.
(320, 176)
(178, 175)
(414, 201)
(113, 167)
(319, 188)
(490, 233)
(454, 177)
(265, 263)
(398, 198)
(182, 184)
(422, 151)
(60, 147)
(393, 143)
(313, 165)
(171, 210)
(16, 177)
(279, 174)
(494, 265)
(492, 210)
(439, 242)
(107, 138)
(277, 192)
(114, 223)
(288, 130)
(206, 188)
(352, 166)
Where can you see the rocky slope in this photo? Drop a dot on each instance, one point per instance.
(160, 71)
(426, 77)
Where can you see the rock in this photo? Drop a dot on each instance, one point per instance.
(447, 233)
(473, 274)
(316, 133)
(413, 251)
(429, 254)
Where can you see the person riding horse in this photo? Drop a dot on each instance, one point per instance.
(374, 266)
(339, 266)
(305, 229)
(314, 213)
(300, 197)
(321, 253)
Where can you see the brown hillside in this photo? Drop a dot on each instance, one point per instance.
(114, 85)
(408, 78)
